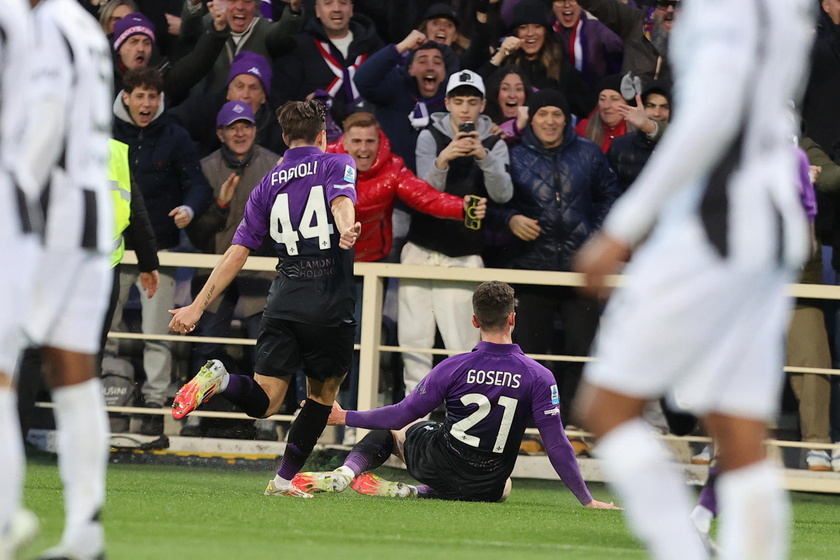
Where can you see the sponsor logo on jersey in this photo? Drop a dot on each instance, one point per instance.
(552, 411)
(349, 174)
(339, 187)
(555, 395)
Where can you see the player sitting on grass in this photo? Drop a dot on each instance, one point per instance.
(489, 395)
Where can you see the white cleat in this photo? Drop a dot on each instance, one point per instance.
(291, 491)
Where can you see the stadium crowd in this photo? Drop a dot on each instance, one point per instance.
(545, 110)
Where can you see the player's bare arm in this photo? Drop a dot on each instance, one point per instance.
(345, 218)
(600, 256)
(184, 319)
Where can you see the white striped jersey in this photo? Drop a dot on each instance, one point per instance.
(727, 158)
(73, 73)
(15, 52)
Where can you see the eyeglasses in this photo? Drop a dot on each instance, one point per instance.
(665, 4)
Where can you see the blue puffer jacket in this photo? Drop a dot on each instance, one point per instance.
(568, 190)
(165, 166)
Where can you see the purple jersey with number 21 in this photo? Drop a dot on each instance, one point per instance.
(489, 394)
(315, 283)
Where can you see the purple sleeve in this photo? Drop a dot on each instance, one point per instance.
(254, 225)
(511, 130)
(341, 178)
(562, 456)
(546, 411)
(266, 10)
(806, 187)
(426, 397)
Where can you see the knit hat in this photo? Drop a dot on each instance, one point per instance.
(465, 78)
(130, 25)
(662, 87)
(610, 82)
(529, 11)
(548, 98)
(247, 62)
(441, 10)
(233, 111)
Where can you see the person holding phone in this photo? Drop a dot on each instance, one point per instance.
(459, 155)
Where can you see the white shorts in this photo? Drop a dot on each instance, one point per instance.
(70, 296)
(20, 253)
(691, 322)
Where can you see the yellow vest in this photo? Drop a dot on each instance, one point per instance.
(119, 177)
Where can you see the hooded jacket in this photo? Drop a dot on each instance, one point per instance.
(568, 190)
(378, 188)
(165, 167)
(465, 175)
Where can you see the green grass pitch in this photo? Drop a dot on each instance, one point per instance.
(189, 513)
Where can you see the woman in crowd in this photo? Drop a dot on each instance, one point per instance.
(508, 90)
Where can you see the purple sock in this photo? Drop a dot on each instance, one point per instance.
(426, 491)
(371, 452)
(246, 393)
(708, 496)
(303, 435)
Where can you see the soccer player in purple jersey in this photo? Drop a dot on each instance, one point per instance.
(306, 204)
(489, 395)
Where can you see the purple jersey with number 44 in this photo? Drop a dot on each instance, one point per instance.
(315, 283)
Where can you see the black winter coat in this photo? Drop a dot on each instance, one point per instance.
(304, 70)
(628, 155)
(165, 167)
(568, 190)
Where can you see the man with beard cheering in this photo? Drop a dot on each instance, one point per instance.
(645, 33)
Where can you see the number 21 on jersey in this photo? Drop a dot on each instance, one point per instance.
(314, 223)
(459, 429)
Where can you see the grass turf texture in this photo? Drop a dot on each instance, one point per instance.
(189, 513)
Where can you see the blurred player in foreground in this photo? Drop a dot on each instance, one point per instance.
(64, 156)
(306, 205)
(704, 310)
(489, 394)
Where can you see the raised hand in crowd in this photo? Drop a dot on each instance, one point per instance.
(637, 116)
(227, 190)
(218, 11)
(510, 45)
(411, 41)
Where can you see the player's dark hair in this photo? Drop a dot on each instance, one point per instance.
(145, 77)
(302, 120)
(492, 303)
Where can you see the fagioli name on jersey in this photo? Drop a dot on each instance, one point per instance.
(296, 172)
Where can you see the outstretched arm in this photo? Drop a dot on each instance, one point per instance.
(185, 318)
(345, 219)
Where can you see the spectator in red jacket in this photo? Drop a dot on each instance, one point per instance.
(382, 178)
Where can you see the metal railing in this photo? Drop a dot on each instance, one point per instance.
(371, 345)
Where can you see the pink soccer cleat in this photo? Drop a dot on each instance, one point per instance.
(199, 389)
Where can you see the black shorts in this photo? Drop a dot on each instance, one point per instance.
(430, 460)
(285, 347)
